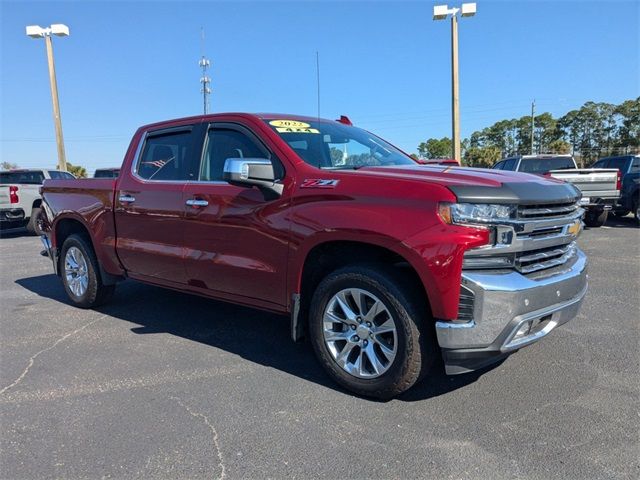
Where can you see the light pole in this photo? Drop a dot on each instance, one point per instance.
(35, 31)
(440, 12)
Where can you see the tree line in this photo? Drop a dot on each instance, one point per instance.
(593, 131)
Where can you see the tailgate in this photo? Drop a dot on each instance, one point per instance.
(4, 196)
(592, 182)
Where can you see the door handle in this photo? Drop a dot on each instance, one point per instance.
(196, 203)
(126, 198)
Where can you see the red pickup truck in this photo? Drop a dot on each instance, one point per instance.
(382, 263)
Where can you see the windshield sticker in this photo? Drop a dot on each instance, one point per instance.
(292, 126)
(318, 183)
(289, 123)
(296, 130)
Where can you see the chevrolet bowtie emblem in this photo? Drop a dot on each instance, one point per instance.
(575, 227)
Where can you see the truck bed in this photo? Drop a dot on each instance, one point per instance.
(594, 183)
(91, 201)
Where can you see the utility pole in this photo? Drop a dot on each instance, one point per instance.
(35, 31)
(204, 79)
(318, 81)
(440, 12)
(533, 113)
(455, 89)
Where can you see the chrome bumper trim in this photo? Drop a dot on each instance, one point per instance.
(503, 301)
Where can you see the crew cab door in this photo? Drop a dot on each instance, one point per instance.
(149, 209)
(236, 240)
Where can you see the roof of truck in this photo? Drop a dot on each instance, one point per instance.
(259, 116)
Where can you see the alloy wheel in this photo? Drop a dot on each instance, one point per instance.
(360, 333)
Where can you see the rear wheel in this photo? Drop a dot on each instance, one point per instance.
(369, 331)
(595, 219)
(81, 275)
(32, 226)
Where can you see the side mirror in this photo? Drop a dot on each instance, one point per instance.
(252, 172)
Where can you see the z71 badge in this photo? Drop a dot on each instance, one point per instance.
(318, 183)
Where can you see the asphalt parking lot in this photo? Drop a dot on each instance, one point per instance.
(160, 384)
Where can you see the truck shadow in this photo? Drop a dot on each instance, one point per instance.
(628, 221)
(14, 232)
(255, 335)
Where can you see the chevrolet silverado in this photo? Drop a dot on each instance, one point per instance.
(382, 263)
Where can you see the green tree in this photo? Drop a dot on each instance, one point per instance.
(8, 166)
(545, 132)
(435, 148)
(628, 114)
(594, 130)
(482, 157)
(559, 146)
(78, 171)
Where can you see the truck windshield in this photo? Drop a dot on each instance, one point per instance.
(544, 165)
(22, 177)
(336, 146)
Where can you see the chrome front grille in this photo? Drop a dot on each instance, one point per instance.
(534, 260)
(527, 212)
(543, 232)
(541, 237)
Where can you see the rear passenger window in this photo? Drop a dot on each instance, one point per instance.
(167, 156)
(635, 165)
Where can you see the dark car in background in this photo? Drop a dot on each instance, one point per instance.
(106, 173)
(629, 167)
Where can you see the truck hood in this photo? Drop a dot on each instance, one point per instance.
(483, 185)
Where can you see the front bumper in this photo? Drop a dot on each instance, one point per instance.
(505, 303)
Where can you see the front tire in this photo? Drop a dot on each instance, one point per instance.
(369, 331)
(81, 275)
(594, 220)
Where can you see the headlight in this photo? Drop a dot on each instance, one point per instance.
(475, 213)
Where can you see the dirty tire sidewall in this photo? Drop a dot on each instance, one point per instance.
(594, 221)
(91, 295)
(32, 226)
(413, 356)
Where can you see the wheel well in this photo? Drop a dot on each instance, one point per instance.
(67, 227)
(328, 257)
(70, 226)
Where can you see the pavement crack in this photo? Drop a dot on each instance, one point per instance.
(33, 357)
(214, 435)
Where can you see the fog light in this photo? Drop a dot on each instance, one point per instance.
(523, 330)
(494, 261)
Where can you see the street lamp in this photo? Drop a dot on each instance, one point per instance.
(440, 12)
(35, 31)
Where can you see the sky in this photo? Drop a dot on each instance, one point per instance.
(386, 65)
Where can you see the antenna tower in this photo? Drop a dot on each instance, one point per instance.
(205, 80)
